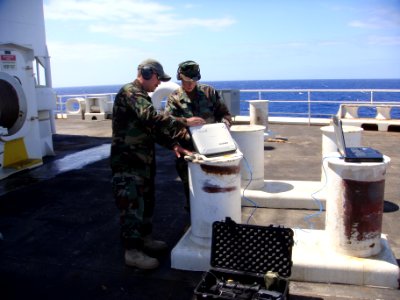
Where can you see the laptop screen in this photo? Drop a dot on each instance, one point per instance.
(340, 142)
(353, 154)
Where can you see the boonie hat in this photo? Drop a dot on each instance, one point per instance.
(156, 67)
(189, 71)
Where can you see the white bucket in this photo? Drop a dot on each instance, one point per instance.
(354, 206)
(214, 193)
(250, 139)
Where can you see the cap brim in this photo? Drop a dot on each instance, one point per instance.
(165, 77)
(186, 78)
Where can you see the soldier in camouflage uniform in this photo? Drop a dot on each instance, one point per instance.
(136, 126)
(194, 99)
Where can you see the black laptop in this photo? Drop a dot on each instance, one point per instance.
(353, 154)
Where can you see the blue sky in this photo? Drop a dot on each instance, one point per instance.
(101, 42)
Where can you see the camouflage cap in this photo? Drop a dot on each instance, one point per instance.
(156, 67)
(189, 71)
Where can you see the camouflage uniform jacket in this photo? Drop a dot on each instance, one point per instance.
(204, 102)
(136, 126)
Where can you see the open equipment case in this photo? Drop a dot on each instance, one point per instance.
(248, 262)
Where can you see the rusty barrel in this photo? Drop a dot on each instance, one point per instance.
(214, 192)
(354, 206)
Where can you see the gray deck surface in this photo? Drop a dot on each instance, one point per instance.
(59, 229)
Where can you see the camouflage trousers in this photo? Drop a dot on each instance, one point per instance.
(135, 198)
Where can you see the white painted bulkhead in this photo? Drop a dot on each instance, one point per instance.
(27, 99)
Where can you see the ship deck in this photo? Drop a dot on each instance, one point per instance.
(59, 225)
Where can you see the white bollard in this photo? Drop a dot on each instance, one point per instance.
(354, 206)
(259, 113)
(250, 139)
(214, 194)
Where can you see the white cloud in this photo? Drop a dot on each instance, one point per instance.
(361, 24)
(102, 10)
(93, 64)
(384, 40)
(379, 19)
(330, 43)
(129, 19)
(90, 51)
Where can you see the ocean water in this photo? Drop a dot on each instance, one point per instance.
(322, 109)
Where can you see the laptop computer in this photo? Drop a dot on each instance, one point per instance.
(212, 139)
(353, 154)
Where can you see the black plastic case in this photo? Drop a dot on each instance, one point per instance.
(241, 255)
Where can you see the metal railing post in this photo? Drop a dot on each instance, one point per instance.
(309, 106)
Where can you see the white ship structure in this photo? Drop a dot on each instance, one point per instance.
(27, 100)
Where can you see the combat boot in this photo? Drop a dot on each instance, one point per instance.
(136, 258)
(154, 245)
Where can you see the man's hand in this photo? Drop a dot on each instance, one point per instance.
(195, 121)
(179, 151)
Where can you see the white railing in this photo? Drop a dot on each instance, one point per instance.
(313, 94)
(314, 98)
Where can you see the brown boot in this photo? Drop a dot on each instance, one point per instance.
(136, 258)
